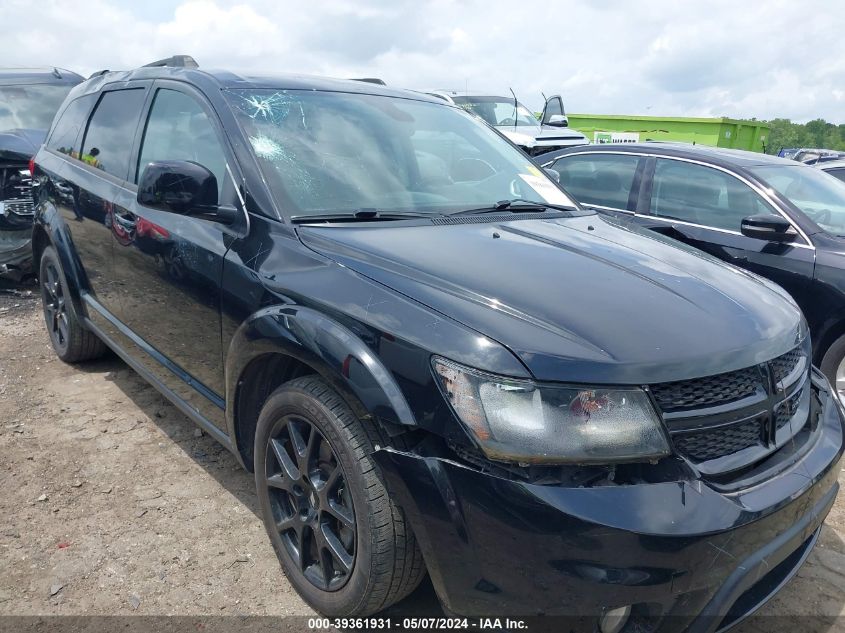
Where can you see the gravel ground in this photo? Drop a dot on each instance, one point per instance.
(113, 503)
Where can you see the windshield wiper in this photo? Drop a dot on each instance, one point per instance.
(516, 206)
(359, 215)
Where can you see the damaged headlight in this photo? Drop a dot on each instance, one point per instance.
(519, 421)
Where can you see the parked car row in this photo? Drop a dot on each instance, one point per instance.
(435, 360)
(810, 156)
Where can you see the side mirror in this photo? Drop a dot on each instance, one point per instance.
(558, 120)
(765, 226)
(184, 187)
(553, 174)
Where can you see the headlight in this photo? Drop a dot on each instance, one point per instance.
(518, 421)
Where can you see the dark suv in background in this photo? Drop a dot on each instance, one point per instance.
(432, 358)
(29, 98)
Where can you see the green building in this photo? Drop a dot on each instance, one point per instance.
(613, 128)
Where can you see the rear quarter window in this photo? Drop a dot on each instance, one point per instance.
(604, 180)
(65, 136)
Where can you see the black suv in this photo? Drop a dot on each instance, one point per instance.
(433, 360)
(29, 98)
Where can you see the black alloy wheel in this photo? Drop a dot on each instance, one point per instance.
(342, 541)
(311, 503)
(55, 308)
(71, 341)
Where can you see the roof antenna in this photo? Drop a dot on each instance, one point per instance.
(515, 104)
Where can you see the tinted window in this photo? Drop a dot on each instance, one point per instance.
(108, 141)
(553, 106)
(30, 107)
(179, 129)
(839, 173)
(702, 195)
(65, 136)
(602, 179)
(817, 194)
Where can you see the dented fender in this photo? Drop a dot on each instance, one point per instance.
(327, 346)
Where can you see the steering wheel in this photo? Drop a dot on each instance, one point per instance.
(510, 121)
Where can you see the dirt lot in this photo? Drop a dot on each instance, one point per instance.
(113, 503)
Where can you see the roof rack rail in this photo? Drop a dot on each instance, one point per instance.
(176, 61)
(370, 80)
(98, 73)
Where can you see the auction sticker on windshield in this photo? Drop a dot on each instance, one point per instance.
(546, 189)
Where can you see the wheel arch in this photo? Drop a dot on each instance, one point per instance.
(280, 343)
(829, 334)
(49, 230)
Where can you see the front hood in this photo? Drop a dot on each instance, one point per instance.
(17, 145)
(547, 135)
(578, 299)
(523, 136)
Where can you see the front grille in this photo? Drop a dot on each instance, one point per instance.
(718, 416)
(786, 409)
(16, 190)
(713, 444)
(709, 391)
(784, 365)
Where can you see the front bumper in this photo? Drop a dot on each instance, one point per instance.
(15, 253)
(688, 556)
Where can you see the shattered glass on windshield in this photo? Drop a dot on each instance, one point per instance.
(332, 152)
(273, 107)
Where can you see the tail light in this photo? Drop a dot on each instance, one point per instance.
(32, 166)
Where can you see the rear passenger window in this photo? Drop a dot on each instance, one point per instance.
(108, 141)
(600, 179)
(702, 195)
(65, 136)
(179, 129)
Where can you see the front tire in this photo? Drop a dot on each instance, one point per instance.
(71, 341)
(833, 366)
(343, 543)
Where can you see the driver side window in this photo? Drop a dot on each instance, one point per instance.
(179, 129)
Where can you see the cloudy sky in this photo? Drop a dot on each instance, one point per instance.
(736, 58)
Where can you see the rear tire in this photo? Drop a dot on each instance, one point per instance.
(71, 341)
(313, 464)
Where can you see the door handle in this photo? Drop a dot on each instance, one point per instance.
(123, 225)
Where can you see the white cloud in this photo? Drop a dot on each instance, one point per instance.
(708, 58)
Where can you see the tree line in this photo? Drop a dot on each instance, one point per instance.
(816, 133)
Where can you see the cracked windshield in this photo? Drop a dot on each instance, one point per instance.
(329, 152)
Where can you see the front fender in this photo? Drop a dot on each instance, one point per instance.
(331, 349)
